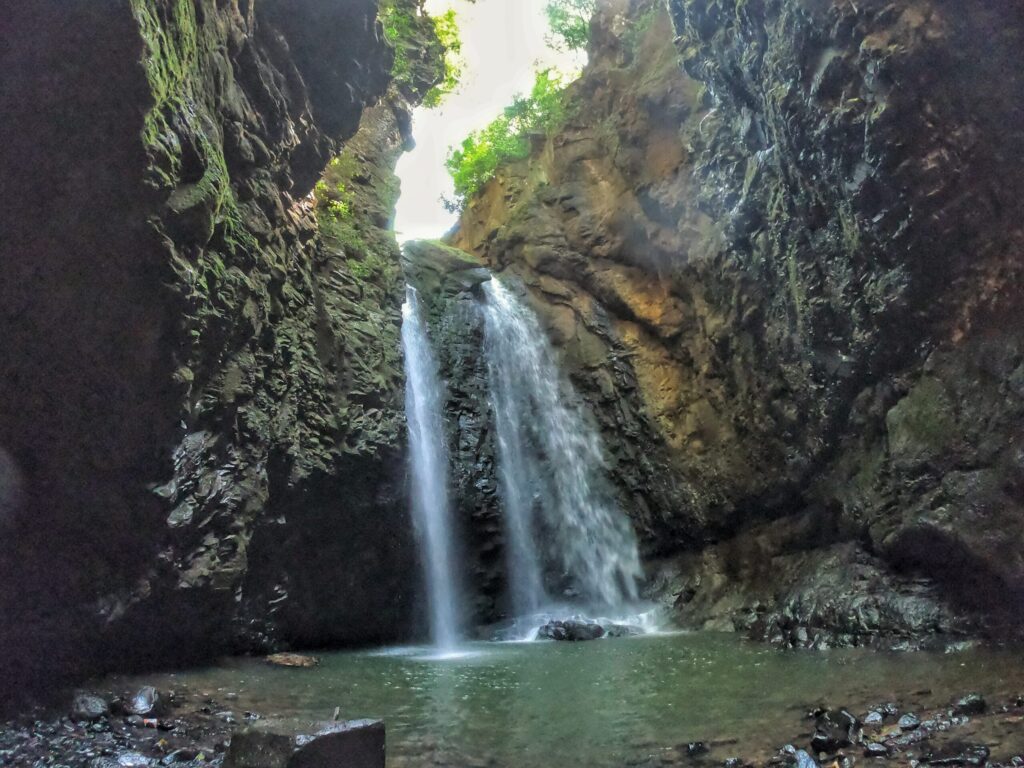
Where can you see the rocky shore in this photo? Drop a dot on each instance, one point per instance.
(184, 728)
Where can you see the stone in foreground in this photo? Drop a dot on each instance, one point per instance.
(350, 744)
(354, 744)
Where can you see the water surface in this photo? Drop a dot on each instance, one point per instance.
(604, 703)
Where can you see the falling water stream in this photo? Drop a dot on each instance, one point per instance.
(551, 471)
(429, 464)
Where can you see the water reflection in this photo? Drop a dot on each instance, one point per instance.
(600, 704)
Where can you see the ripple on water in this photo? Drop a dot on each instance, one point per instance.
(602, 703)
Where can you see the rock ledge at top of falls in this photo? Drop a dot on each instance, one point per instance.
(437, 270)
(778, 247)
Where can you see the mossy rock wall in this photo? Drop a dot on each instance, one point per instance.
(202, 432)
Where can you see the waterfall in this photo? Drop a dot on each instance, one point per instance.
(551, 469)
(431, 507)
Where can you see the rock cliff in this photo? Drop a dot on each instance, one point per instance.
(779, 246)
(201, 436)
(777, 242)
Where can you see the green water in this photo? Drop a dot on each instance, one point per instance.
(604, 703)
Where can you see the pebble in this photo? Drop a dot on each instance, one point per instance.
(133, 760)
(875, 749)
(971, 704)
(87, 706)
(144, 701)
(179, 756)
(909, 722)
(804, 760)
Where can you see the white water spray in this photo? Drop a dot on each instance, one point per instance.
(551, 469)
(431, 506)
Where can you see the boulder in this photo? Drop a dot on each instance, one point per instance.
(256, 748)
(571, 631)
(353, 744)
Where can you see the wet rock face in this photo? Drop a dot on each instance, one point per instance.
(570, 631)
(781, 255)
(202, 390)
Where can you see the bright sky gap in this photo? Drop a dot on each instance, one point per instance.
(503, 45)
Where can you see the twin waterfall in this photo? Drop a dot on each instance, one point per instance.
(561, 523)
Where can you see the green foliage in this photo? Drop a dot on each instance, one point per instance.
(331, 195)
(446, 28)
(569, 21)
(340, 206)
(426, 49)
(399, 29)
(506, 138)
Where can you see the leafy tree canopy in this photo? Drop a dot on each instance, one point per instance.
(507, 137)
(446, 27)
(569, 21)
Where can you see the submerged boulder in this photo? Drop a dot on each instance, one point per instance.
(575, 630)
(293, 660)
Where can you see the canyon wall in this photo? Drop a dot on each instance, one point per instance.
(777, 243)
(201, 432)
(779, 246)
